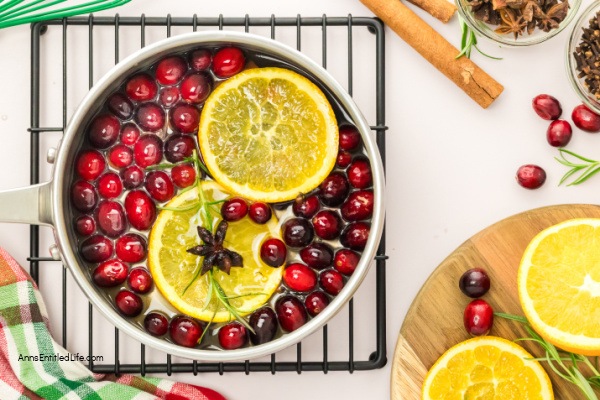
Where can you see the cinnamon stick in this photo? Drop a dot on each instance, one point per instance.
(438, 51)
(440, 9)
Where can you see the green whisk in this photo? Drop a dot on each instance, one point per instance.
(16, 12)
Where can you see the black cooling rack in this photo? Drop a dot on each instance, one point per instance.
(378, 357)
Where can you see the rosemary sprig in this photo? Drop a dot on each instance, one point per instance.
(565, 364)
(468, 42)
(583, 166)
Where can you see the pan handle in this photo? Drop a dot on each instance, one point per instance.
(27, 205)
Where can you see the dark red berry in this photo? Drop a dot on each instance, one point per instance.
(85, 225)
(129, 303)
(96, 249)
(141, 87)
(478, 317)
(111, 218)
(264, 324)
(585, 119)
(344, 158)
(150, 117)
(110, 185)
(129, 134)
(104, 131)
(290, 313)
(531, 176)
(132, 177)
(131, 248)
(349, 138)
(359, 206)
(316, 302)
(334, 189)
(170, 70)
(139, 280)
(273, 252)
(300, 278)
(148, 151)
(331, 281)
(200, 59)
(195, 87)
(120, 156)
(327, 224)
(228, 61)
(156, 323)
(317, 255)
(83, 196)
(474, 282)
(260, 213)
(355, 235)
(185, 118)
(346, 261)
(185, 331)
(234, 209)
(178, 147)
(559, 133)
(359, 173)
(297, 232)
(90, 164)
(183, 175)
(140, 210)
(110, 273)
(120, 105)
(546, 106)
(160, 186)
(306, 207)
(169, 96)
(232, 336)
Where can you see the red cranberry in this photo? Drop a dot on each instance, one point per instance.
(129, 303)
(183, 175)
(531, 176)
(317, 255)
(232, 336)
(273, 252)
(104, 131)
(559, 133)
(141, 87)
(110, 186)
(359, 206)
(90, 164)
(83, 196)
(359, 173)
(169, 96)
(334, 189)
(96, 249)
(546, 106)
(170, 70)
(331, 281)
(327, 224)
(234, 209)
(140, 210)
(139, 280)
(349, 138)
(200, 59)
(291, 313)
(110, 273)
(478, 318)
(120, 156)
(150, 117)
(160, 186)
(585, 119)
(316, 302)
(228, 61)
(346, 261)
(131, 248)
(306, 207)
(111, 218)
(185, 331)
(344, 158)
(85, 225)
(132, 177)
(260, 213)
(185, 118)
(148, 151)
(195, 88)
(129, 134)
(264, 324)
(120, 106)
(474, 282)
(299, 277)
(297, 232)
(156, 323)
(179, 147)
(355, 235)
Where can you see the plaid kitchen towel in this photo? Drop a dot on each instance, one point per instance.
(24, 332)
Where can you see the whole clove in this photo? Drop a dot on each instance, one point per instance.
(587, 57)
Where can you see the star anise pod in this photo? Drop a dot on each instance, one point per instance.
(512, 22)
(213, 251)
(553, 16)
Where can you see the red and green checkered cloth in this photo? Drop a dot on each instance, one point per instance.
(24, 331)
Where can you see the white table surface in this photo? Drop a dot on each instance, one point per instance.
(451, 169)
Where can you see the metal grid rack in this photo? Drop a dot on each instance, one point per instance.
(378, 357)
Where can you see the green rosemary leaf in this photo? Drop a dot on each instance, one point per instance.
(568, 175)
(485, 54)
(583, 384)
(587, 174)
(186, 208)
(582, 158)
(512, 317)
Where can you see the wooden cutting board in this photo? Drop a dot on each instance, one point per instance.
(434, 321)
